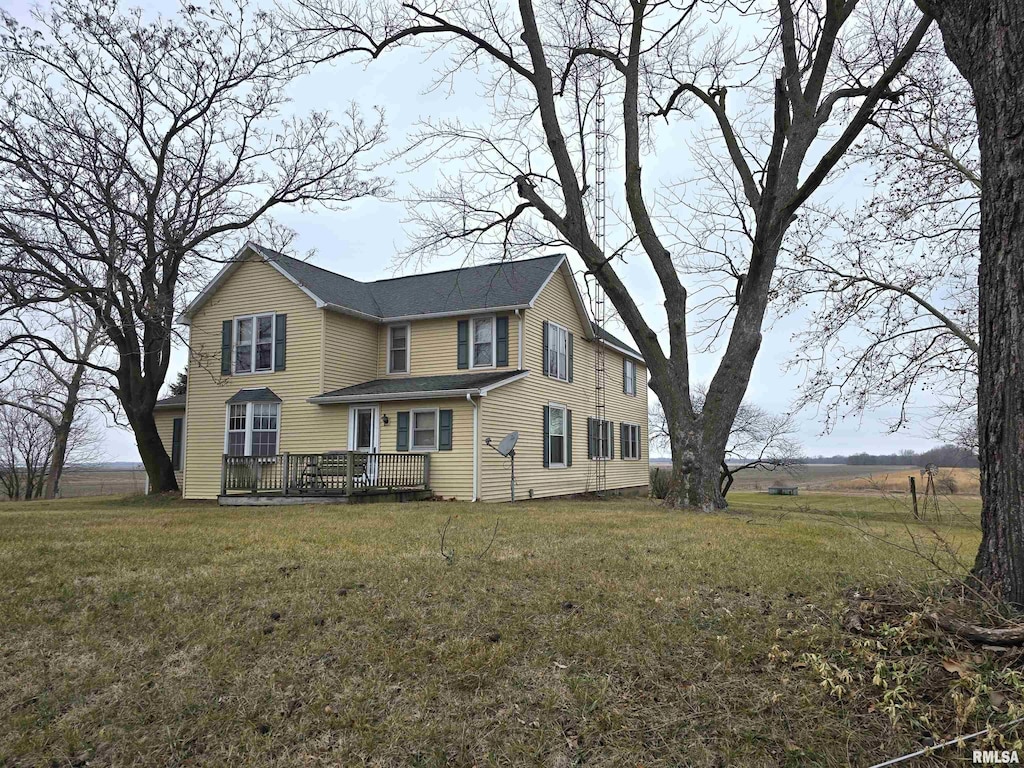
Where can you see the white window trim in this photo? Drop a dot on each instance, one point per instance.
(408, 349)
(252, 357)
(547, 344)
(611, 437)
(472, 341)
(637, 428)
(630, 381)
(412, 429)
(248, 427)
(565, 431)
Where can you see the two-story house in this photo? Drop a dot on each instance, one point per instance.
(304, 382)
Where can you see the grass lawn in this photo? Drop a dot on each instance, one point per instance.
(586, 633)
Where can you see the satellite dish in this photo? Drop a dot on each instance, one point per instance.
(508, 443)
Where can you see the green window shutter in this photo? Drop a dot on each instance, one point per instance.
(622, 441)
(402, 431)
(501, 341)
(639, 442)
(625, 374)
(280, 340)
(225, 347)
(568, 437)
(634, 379)
(544, 347)
(610, 426)
(591, 438)
(444, 430)
(177, 427)
(463, 349)
(570, 357)
(547, 420)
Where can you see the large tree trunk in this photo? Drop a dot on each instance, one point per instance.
(158, 464)
(695, 482)
(62, 434)
(985, 40)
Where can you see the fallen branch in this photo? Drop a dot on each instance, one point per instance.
(1005, 636)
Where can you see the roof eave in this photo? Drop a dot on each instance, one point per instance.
(437, 394)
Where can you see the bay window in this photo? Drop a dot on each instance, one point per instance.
(253, 429)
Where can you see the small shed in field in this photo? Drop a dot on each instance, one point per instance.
(783, 490)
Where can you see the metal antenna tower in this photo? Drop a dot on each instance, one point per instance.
(597, 297)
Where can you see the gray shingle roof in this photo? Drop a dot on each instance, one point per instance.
(488, 286)
(601, 333)
(261, 395)
(172, 402)
(418, 386)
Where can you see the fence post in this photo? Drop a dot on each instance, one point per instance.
(913, 495)
(254, 467)
(223, 475)
(426, 470)
(287, 474)
(350, 471)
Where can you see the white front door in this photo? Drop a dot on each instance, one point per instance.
(364, 437)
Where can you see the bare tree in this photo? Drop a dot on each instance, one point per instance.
(898, 289)
(985, 40)
(787, 101)
(52, 389)
(131, 150)
(758, 440)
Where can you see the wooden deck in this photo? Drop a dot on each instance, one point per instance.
(339, 477)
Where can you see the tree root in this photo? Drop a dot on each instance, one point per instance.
(1004, 636)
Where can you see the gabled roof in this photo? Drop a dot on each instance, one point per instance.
(174, 402)
(499, 286)
(421, 387)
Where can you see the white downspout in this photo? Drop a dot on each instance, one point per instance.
(519, 315)
(476, 446)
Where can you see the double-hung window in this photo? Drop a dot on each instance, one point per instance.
(602, 439)
(629, 377)
(398, 349)
(556, 435)
(424, 430)
(630, 441)
(483, 342)
(253, 429)
(558, 352)
(254, 343)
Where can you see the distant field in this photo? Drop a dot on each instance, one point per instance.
(102, 482)
(77, 483)
(849, 478)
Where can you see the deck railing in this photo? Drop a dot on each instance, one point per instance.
(324, 474)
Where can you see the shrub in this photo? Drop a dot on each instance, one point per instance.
(659, 483)
(947, 484)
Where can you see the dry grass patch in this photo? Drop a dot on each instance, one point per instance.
(588, 633)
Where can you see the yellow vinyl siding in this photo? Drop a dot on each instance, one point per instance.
(348, 351)
(451, 472)
(256, 287)
(165, 428)
(434, 347)
(519, 406)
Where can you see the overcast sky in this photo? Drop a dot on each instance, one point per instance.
(363, 240)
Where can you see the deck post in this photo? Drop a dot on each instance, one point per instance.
(285, 460)
(350, 471)
(426, 470)
(224, 475)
